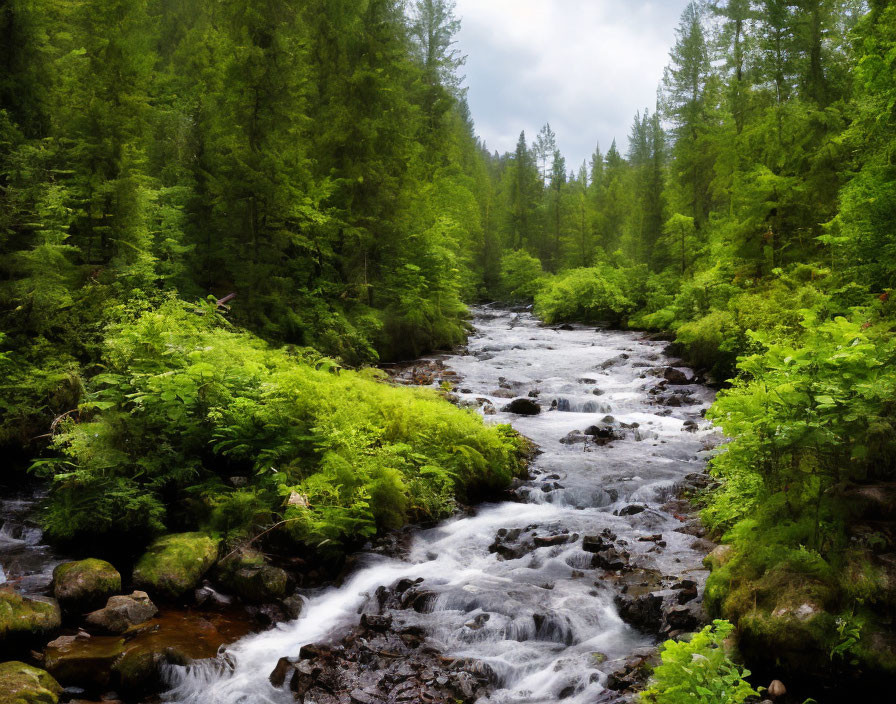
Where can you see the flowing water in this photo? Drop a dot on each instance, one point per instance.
(537, 620)
(25, 561)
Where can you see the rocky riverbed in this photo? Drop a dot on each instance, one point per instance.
(560, 591)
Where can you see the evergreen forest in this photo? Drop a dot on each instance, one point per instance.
(222, 220)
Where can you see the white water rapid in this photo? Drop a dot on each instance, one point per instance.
(544, 616)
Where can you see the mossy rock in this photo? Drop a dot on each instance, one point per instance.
(23, 684)
(85, 585)
(797, 639)
(175, 563)
(24, 621)
(720, 556)
(138, 670)
(876, 650)
(718, 586)
(245, 574)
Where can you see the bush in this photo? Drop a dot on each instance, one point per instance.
(186, 402)
(699, 671)
(590, 295)
(806, 415)
(521, 276)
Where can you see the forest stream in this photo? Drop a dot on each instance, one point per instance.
(529, 588)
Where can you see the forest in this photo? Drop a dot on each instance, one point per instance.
(218, 219)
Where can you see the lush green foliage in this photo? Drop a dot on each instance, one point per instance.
(521, 276)
(261, 149)
(318, 160)
(602, 293)
(185, 402)
(807, 415)
(699, 670)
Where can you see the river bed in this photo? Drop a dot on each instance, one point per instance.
(542, 618)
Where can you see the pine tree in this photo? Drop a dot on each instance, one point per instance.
(686, 95)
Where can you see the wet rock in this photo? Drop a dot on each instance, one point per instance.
(551, 540)
(138, 669)
(23, 684)
(703, 545)
(682, 617)
(609, 559)
(282, 673)
(85, 585)
(632, 672)
(502, 393)
(174, 564)
(246, 574)
(597, 543)
(675, 377)
(602, 434)
(122, 613)
(523, 407)
(613, 361)
(655, 538)
(689, 426)
(374, 622)
(82, 660)
(586, 380)
(207, 596)
(507, 547)
(694, 527)
(293, 606)
(573, 437)
(381, 666)
(630, 510)
(25, 622)
(266, 615)
(718, 557)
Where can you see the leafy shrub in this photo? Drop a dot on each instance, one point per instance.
(185, 402)
(587, 295)
(805, 415)
(521, 276)
(699, 671)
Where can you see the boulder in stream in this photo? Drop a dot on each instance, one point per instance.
(122, 613)
(85, 585)
(246, 574)
(25, 621)
(522, 407)
(175, 563)
(573, 437)
(676, 377)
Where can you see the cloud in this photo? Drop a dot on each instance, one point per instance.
(585, 66)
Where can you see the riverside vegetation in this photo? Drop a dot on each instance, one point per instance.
(318, 160)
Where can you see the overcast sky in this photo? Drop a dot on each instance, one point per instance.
(585, 66)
